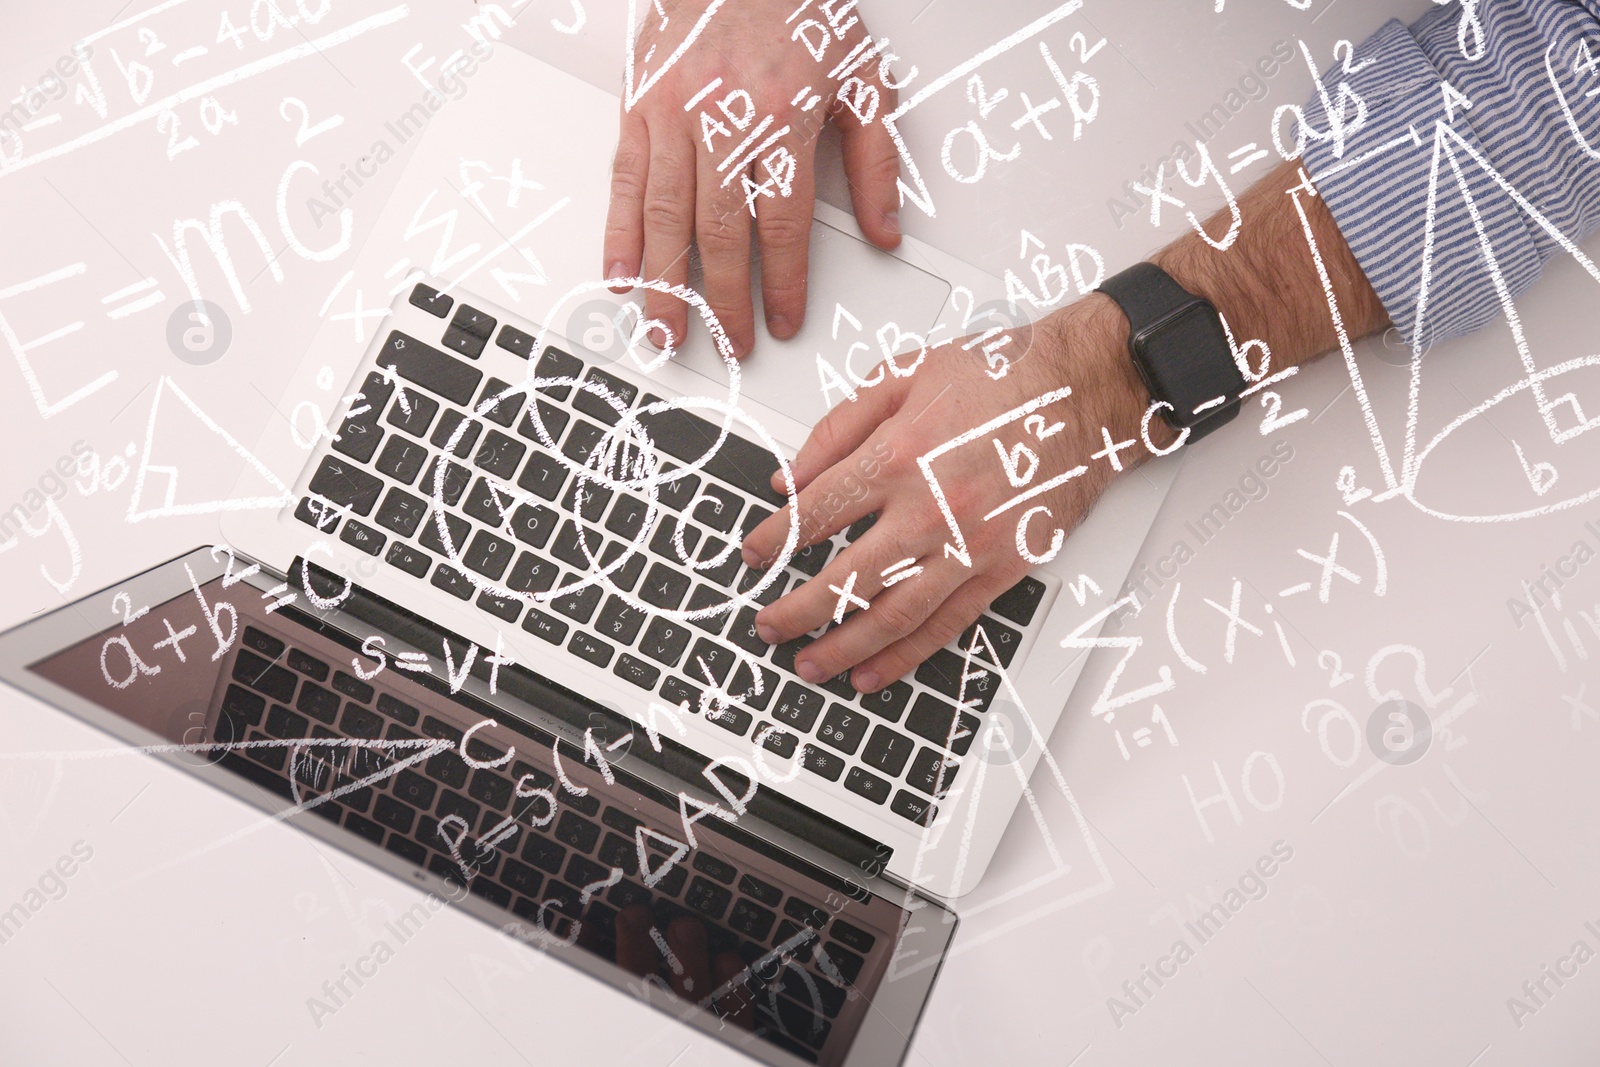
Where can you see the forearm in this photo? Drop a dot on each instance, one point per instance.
(1266, 285)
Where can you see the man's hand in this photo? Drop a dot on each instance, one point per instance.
(893, 423)
(667, 190)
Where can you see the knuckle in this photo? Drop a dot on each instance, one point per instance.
(666, 213)
(899, 616)
(782, 229)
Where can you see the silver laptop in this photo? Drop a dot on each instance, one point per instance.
(495, 631)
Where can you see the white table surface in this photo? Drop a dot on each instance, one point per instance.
(1418, 898)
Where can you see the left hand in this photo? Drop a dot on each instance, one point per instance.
(1083, 346)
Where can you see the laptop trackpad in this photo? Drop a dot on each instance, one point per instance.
(856, 292)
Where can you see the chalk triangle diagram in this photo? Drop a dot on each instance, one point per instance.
(1563, 416)
(1009, 745)
(189, 432)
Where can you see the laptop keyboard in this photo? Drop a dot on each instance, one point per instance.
(526, 854)
(431, 428)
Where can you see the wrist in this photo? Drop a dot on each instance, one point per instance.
(1089, 342)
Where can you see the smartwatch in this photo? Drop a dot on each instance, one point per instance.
(1180, 349)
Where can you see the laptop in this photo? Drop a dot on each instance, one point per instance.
(489, 627)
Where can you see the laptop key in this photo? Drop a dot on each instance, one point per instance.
(843, 728)
(438, 372)
(1019, 603)
(910, 806)
(576, 831)
(590, 648)
(463, 342)
(798, 706)
(456, 433)
(532, 574)
(718, 507)
(488, 502)
(780, 742)
(866, 784)
(680, 694)
(319, 703)
(822, 762)
(627, 516)
(500, 455)
(581, 441)
(517, 343)
(401, 459)
(642, 674)
(664, 641)
(362, 536)
(284, 724)
(413, 561)
(931, 772)
(967, 682)
(263, 643)
(358, 437)
(318, 514)
(554, 363)
(596, 399)
(887, 751)
(488, 555)
(445, 488)
(578, 605)
(620, 622)
(545, 626)
(709, 663)
(679, 490)
(708, 898)
(393, 814)
(412, 412)
(543, 476)
(811, 559)
(1002, 640)
(714, 603)
(937, 721)
(264, 677)
(352, 687)
(663, 587)
(743, 464)
(455, 528)
(400, 512)
(431, 300)
(718, 562)
(345, 484)
(397, 709)
(731, 718)
(755, 689)
(587, 499)
(499, 402)
(504, 608)
(414, 789)
(553, 419)
(888, 702)
(543, 853)
(453, 582)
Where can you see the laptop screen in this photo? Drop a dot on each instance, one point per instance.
(560, 840)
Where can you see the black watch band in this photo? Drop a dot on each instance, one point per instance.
(1180, 349)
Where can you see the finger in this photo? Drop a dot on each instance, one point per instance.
(630, 169)
(738, 1004)
(636, 953)
(722, 226)
(872, 167)
(818, 601)
(895, 615)
(691, 979)
(842, 430)
(784, 225)
(841, 495)
(958, 611)
(669, 205)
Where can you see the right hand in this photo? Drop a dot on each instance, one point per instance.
(666, 189)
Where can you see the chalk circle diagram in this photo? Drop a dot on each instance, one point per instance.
(626, 460)
(1539, 452)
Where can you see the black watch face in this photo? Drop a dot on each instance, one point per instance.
(1186, 360)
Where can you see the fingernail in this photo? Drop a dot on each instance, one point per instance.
(891, 221)
(810, 671)
(780, 327)
(750, 558)
(865, 681)
(618, 269)
(770, 636)
(656, 338)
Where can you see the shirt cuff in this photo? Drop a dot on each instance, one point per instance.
(1376, 184)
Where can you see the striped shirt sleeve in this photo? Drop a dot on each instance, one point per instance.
(1515, 174)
